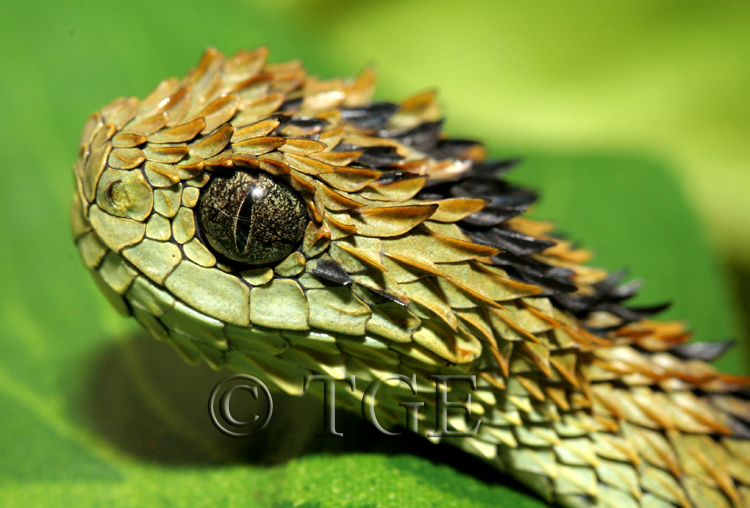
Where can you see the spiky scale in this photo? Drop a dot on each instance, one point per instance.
(414, 261)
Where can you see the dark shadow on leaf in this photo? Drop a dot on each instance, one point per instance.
(739, 277)
(146, 401)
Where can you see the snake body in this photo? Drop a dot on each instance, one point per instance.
(414, 258)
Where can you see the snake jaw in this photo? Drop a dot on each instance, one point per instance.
(412, 259)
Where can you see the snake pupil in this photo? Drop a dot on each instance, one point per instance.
(251, 217)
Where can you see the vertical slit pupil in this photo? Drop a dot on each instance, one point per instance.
(243, 228)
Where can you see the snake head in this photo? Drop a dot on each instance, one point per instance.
(257, 217)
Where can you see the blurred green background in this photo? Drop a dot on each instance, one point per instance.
(633, 118)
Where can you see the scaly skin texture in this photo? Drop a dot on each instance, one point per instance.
(415, 261)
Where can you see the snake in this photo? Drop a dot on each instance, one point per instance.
(260, 219)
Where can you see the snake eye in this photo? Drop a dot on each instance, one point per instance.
(251, 217)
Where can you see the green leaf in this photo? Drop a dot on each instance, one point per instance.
(96, 413)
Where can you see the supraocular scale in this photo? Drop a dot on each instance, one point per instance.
(392, 249)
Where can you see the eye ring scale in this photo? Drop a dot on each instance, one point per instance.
(251, 217)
